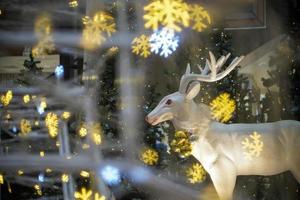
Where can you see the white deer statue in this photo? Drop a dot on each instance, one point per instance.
(219, 147)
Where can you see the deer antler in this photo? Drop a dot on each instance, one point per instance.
(211, 65)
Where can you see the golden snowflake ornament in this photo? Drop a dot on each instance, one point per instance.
(181, 144)
(200, 18)
(253, 146)
(85, 194)
(25, 127)
(51, 122)
(141, 46)
(95, 28)
(222, 107)
(196, 173)
(171, 14)
(149, 157)
(26, 98)
(6, 98)
(43, 30)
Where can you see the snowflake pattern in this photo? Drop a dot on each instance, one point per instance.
(252, 145)
(222, 107)
(94, 30)
(25, 127)
(149, 157)
(163, 42)
(141, 46)
(168, 13)
(6, 98)
(51, 122)
(196, 173)
(84, 194)
(200, 18)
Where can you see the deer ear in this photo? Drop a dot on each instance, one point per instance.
(193, 90)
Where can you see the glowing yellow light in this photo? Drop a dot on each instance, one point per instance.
(82, 130)
(65, 178)
(222, 107)
(73, 3)
(141, 46)
(43, 103)
(84, 194)
(25, 127)
(168, 13)
(199, 17)
(85, 146)
(6, 98)
(43, 28)
(20, 172)
(94, 30)
(85, 19)
(1, 179)
(42, 153)
(36, 123)
(51, 122)
(38, 189)
(84, 174)
(96, 133)
(26, 98)
(253, 146)
(99, 197)
(48, 170)
(149, 157)
(65, 115)
(181, 144)
(57, 143)
(196, 173)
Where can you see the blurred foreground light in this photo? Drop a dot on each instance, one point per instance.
(140, 174)
(59, 71)
(111, 175)
(41, 178)
(14, 129)
(73, 4)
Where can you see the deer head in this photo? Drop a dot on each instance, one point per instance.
(179, 106)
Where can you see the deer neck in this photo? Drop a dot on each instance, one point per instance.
(193, 118)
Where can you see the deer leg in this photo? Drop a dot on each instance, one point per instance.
(223, 175)
(295, 169)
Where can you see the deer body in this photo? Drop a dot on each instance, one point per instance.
(218, 146)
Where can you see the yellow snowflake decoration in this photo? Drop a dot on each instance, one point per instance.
(181, 144)
(200, 18)
(43, 30)
(222, 107)
(93, 32)
(51, 122)
(82, 131)
(141, 46)
(38, 189)
(253, 146)
(149, 157)
(96, 133)
(6, 98)
(73, 4)
(65, 178)
(66, 115)
(25, 126)
(26, 98)
(196, 173)
(168, 13)
(85, 194)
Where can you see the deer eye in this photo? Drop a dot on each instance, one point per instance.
(169, 102)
